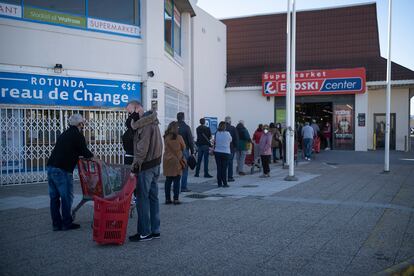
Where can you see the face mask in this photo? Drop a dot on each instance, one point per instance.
(135, 116)
(265, 131)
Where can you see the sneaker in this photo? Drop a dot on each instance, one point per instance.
(138, 238)
(196, 175)
(167, 202)
(267, 175)
(208, 176)
(231, 179)
(226, 186)
(242, 173)
(176, 202)
(71, 227)
(155, 235)
(185, 190)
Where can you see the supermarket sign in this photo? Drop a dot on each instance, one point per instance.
(316, 82)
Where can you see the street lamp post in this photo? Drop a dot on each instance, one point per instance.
(388, 95)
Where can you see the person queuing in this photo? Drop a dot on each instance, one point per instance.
(265, 146)
(327, 134)
(275, 141)
(307, 134)
(185, 131)
(69, 146)
(203, 144)
(222, 153)
(233, 146)
(244, 141)
(146, 165)
(173, 162)
(256, 140)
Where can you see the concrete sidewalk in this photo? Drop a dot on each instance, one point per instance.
(343, 217)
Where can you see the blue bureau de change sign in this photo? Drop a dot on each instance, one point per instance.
(31, 89)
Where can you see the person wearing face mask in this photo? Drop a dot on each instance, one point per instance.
(265, 147)
(69, 146)
(128, 136)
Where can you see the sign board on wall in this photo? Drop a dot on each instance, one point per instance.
(316, 82)
(29, 89)
(212, 123)
(361, 119)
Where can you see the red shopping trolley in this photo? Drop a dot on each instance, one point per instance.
(110, 218)
(101, 180)
(253, 157)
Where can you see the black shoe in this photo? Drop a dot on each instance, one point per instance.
(196, 175)
(71, 227)
(226, 186)
(231, 179)
(208, 176)
(139, 238)
(167, 202)
(185, 190)
(155, 235)
(57, 228)
(176, 202)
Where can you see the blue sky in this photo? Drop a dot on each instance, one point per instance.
(402, 48)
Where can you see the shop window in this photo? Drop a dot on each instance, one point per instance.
(13, 2)
(176, 102)
(72, 7)
(121, 11)
(172, 25)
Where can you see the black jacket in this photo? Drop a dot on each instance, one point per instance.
(234, 136)
(203, 136)
(69, 146)
(185, 131)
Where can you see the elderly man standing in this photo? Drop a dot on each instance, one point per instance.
(146, 165)
(233, 146)
(308, 133)
(69, 146)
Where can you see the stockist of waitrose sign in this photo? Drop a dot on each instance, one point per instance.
(62, 19)
(316, 82)
(53, 17)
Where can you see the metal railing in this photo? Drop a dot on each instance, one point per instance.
(28, 135)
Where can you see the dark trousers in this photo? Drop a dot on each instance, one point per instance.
(230, 164)
(176, 187)
(203, 151)
(265, 162)
(222, 163)
(128, 160)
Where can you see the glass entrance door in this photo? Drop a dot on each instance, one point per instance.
(379, 130)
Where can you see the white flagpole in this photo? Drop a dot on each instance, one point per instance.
(292, 97)
(288, 88)
(388, 94)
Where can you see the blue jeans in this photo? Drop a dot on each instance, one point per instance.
(148, 208)
(184, 177)
(222, 163)
(176, 186)
(308, 143)
(230, 165)
(60, 191)
(202, 151)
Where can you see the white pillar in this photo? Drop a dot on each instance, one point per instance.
(388, 95)
(292, 97)
(288, 76)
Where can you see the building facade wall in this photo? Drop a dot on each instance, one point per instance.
(399, 105)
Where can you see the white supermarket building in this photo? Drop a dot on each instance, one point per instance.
(92, 56)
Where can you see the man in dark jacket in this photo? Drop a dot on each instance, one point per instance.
(185, 131)
(242, 147)
(233, 146)
(203, 144)
(146, 165)
(69, 146)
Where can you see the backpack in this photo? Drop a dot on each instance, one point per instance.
(128, 141)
